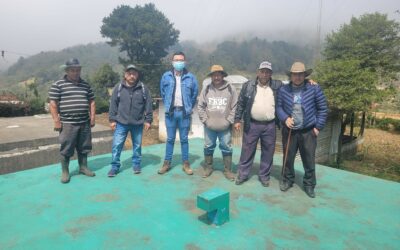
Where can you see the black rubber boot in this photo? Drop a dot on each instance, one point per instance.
(65, 169)
(83, 169)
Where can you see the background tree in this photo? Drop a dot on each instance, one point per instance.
(372, 39)
(358, 59)
(101, 80)
(144, 34)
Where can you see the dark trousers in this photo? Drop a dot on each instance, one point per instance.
(77, 136)
(265, 131)
(306, 142)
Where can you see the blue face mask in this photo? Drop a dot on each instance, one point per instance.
(178, 65)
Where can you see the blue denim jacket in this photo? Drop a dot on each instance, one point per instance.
(189, 90)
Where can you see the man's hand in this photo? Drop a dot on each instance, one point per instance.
(289, 122)
(312, 82)
(237, 126)
(316, 131)
(113, 125)
(147, 126)
(92, 122)
(57, 126)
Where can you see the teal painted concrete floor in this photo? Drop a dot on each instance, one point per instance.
(150, 211)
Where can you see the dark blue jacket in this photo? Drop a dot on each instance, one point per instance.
(315, 108)
(189, 90)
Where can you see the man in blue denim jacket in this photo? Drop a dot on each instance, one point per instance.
(179, 91)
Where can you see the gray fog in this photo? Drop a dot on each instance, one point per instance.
(29, 27)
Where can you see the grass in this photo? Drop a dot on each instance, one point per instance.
(379, 155)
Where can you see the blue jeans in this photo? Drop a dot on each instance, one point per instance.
(119, 138)
(224, 138)
(181, 122)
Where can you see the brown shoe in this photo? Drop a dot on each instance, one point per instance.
(84, 170)
(186, 168)
(165, 167)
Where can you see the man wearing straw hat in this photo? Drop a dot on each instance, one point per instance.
(302, 109)
(216, 108)
(73, 110)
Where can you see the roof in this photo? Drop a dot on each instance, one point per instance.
(233, 79)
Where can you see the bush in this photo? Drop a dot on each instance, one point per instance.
(383, 123)
(102, 105)
(387, 124)
(11, 110)
(36, 106)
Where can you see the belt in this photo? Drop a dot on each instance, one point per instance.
(178, 107)
(261, 122)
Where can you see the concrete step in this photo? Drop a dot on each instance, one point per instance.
(30, 141)
(26, 158)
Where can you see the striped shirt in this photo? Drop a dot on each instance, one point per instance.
(72, 99)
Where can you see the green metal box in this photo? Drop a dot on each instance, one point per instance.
(216, 203)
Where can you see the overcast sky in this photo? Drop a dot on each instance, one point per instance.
(28, 27)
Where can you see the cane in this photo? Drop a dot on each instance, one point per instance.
(286, 153)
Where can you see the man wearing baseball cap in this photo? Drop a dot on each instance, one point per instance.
(256, 105)
(130, 111)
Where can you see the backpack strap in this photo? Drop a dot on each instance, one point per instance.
(119, 92)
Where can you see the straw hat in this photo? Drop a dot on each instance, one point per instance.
(299, 67)
(217, 68)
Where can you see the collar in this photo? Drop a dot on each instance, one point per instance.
(184, 72)
(66, 79)
(255, 83)
(304, 87)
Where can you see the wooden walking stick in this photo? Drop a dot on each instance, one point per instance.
(286, 152)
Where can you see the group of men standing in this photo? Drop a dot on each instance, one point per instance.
(298, 108)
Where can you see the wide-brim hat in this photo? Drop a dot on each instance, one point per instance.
(71, 63)
(299, 67)
(217, 68)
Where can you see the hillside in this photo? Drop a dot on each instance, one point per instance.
(237, 58)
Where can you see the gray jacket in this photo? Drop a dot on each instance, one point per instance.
(217, 106)
(131, 105)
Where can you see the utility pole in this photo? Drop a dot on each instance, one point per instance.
(317, 53)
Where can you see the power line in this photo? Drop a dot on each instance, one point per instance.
(3, 53)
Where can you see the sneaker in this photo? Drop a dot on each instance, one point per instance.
(112, 173)
(137, 171)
